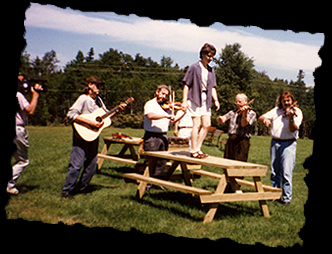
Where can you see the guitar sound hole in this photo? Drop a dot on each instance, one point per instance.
(99, 119)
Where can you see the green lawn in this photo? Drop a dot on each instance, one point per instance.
(113, 204)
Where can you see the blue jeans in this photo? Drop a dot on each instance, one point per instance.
(83, 153)
(282, 164)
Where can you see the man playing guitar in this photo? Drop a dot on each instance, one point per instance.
(84, 152)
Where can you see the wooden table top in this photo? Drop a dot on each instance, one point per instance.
(213, 161)
(130, 141)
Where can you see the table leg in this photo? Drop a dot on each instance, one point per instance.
(235, 187)
(104, 152)
(185, 173)
(171, 170)
(123, 150)
(147, 172)
(134, 156)
(213, 207)
(263, 204)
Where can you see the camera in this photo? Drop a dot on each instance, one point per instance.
(24, 85)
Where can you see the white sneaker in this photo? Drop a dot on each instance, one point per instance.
(12, 191)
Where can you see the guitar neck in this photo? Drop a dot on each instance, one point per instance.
(111, 112)
(115, 110)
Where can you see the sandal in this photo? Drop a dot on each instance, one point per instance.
(196, 155)
(203, 155)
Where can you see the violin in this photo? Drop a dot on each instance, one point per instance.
(120, 135)
(286, 111)
(239, 111)
(168, 105)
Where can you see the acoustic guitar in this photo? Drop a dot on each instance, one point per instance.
(89, 133)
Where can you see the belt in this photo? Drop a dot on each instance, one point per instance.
(284, 140)
(185, 127)
(155, 133)
(20, 125)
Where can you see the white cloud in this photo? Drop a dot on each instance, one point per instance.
(180, 36)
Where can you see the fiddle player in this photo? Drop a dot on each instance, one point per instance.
(239, 131)
(156, 124)
(21, 140)
(284, 120)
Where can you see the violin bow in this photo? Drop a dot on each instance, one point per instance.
(173, 97)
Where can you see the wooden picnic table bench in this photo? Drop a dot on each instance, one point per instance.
(232, 172)
(128, 143)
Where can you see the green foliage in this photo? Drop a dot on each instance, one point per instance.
(137, 76)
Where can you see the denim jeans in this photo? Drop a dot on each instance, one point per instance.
(83, 153)
(282, 164)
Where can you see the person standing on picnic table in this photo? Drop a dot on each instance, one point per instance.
(285, 121)
(239, 131)
(199, 87)
(156, 124)
(84, 153)
(21, 140)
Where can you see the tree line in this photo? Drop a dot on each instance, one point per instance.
(137, 76)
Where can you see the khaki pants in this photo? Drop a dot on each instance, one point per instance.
(20, 155)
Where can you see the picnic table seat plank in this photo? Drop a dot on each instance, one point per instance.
(167, 184)
(119, 159)
(235, 197)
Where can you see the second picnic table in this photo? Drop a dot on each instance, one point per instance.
(233, 171)
(128, 143)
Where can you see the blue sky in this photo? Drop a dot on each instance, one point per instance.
(280, 53)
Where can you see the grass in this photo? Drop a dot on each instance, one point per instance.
(113, 204)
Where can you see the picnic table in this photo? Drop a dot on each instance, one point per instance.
(128, 143)
(233, 171)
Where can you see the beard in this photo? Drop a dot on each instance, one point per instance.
(160, 100)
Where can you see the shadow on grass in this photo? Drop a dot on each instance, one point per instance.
(190, 207)
(24, 188)
(110, 171)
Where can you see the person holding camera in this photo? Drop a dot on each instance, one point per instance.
(21, 141)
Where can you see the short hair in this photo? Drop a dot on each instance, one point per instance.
(206, 49)
(282, 96)
(161, 87)
(242, 95)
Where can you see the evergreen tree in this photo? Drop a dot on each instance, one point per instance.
(90, 56)
(234, 73)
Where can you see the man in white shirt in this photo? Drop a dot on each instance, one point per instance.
(156, 123)
(285, 121)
